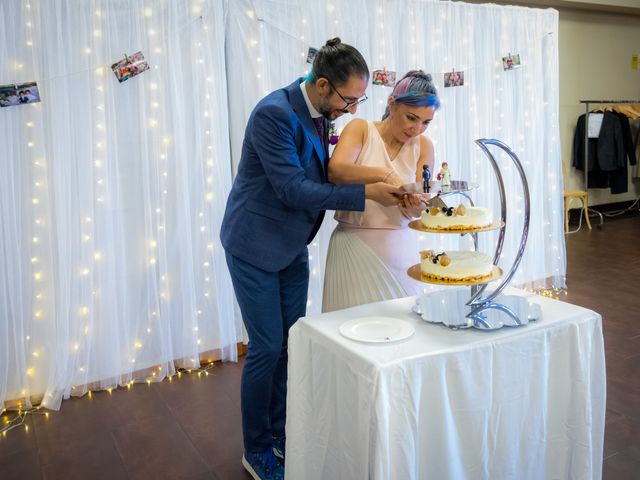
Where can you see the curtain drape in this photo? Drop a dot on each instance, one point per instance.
(519, 107)
(112, 194)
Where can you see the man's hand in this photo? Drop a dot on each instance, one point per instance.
(383, 193)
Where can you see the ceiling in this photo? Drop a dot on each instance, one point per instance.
(627, 7)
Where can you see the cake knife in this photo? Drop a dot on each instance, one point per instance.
(416, 188)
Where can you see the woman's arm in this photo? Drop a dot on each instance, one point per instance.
(342, 166)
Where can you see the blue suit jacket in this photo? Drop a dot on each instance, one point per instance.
(281, 191)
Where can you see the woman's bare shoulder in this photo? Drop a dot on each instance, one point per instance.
(356, 129)
(425, 142)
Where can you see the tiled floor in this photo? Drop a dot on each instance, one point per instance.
(190, 428)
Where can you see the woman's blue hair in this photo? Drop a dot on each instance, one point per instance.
(415, 88)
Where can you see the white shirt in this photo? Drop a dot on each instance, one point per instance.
(595, 124)
(314, 113)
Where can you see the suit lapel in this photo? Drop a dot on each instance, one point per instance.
(300, 107)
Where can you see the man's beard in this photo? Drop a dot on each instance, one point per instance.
(325, 110)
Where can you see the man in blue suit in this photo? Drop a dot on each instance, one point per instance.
(274, 210)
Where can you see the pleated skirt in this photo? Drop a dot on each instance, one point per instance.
(366, 265)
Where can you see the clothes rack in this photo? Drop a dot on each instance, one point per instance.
(587, 104)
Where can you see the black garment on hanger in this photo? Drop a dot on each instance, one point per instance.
(619, 180)
(607, 154)
(627, 138)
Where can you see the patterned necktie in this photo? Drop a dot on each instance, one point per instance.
(319, 123)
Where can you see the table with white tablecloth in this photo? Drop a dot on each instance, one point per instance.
(516, 403)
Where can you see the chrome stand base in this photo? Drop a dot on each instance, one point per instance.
(449, 307)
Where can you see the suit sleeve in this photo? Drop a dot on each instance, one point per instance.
(578, 145)
(627, 138)
(274, 143)
(621, 156)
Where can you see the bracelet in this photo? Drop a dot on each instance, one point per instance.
(384, 179)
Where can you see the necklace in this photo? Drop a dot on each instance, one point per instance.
(392, 151)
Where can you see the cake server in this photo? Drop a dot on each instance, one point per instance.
(416, 188)
(435, 202)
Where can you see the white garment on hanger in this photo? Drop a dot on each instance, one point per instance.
(595, 123)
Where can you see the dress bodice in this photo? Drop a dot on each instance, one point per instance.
(404, 164)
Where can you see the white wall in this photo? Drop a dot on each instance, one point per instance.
(595, 50)
(618, 6)
(595, 63)
(614, 3)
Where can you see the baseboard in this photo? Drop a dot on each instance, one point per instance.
(612, 207)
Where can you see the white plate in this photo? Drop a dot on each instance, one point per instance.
(376, 329)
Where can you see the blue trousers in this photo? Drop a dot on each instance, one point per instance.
(270, 303)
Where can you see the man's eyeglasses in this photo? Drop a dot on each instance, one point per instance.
(348, 104)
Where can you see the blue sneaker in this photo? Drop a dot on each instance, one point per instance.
(263, 466)
(278, 446)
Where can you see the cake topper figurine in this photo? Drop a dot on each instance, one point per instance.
(426, 176)
(444, 175)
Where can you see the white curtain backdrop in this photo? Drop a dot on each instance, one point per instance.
(111, 196)
(519, 107)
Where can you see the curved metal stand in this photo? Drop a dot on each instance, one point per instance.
(480, 319)
(494, 310)
(479, 304)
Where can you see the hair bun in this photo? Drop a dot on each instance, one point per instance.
(333, 42)
(419, 74)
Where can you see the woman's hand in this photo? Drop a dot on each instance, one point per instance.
(411, 201)
(392, 178)
(424, 198)
(412, 205)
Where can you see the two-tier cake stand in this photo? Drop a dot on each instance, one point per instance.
(455, 307)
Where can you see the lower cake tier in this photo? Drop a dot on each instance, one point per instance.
(455, 266)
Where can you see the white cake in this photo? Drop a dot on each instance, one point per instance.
(455, 266)
(460, 218)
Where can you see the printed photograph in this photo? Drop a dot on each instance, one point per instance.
(311, 54)
(453, 79)
(130, 66)
(386, 78)
(12, 95)
(510, 62)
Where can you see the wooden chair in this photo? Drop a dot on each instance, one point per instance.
(568, 197)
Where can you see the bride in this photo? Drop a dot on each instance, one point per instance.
(370, 251)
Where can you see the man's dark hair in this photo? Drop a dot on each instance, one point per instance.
(337, 61)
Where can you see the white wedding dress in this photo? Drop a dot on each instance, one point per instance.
(370, 252)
